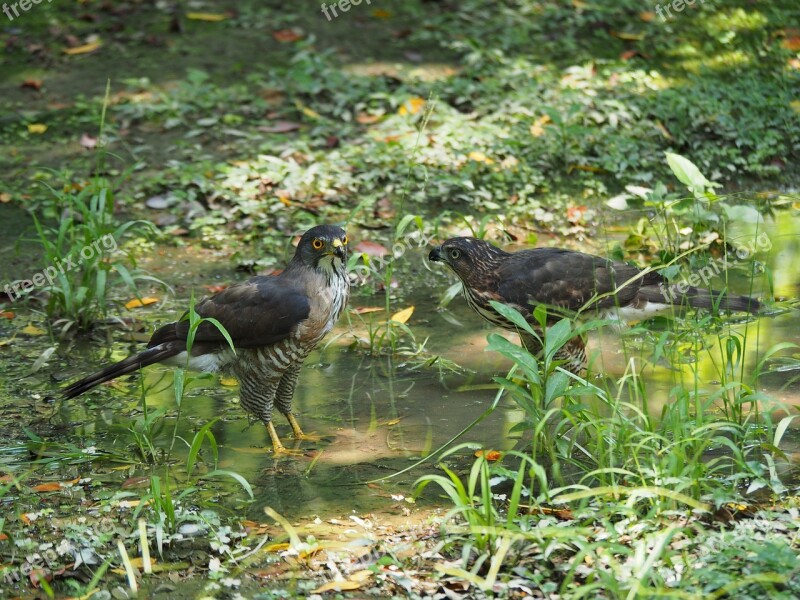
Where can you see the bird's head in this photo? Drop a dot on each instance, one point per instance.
(467, 256)
(323, 247)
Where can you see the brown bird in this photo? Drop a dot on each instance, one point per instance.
(568, 283)
(274, 321)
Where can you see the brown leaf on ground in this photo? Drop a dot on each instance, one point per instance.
(489, 455)
(363, 310)
(280, 127)
(33, 84)
(371, 249)
(286, 35)
(87, 141)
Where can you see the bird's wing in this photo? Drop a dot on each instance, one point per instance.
(258, 312)
(568, 280)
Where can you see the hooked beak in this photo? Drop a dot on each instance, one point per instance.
(436, 255)
(339, 249)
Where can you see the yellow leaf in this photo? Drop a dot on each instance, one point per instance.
(411, 106)
(381, 14)
(136, 303)
(307, 111)
(228, 381)
(138, 561)
(277, 547)
(479, 157)
(85, 49)
(338, 586)
(795, 104)
(664, 131)
(629, 37)
(403, 315)
(201, 16)
(33, 330)
(38, 128)
(537, 129)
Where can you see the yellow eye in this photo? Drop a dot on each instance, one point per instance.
(317, 244)
(344, 240)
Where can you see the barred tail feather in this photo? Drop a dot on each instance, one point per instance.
(123, 367)
(699, 298)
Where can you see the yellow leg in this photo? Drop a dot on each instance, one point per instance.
(277, 447)
(298, 433)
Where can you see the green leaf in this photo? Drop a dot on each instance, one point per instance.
(688, 174)
(235, 476)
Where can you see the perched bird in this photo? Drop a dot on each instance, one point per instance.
(274, 321)
(568, 283)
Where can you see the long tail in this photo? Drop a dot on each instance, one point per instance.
(123, 367)
(699, 298)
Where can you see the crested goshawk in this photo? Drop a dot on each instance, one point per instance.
(274, 321)
(568, 282)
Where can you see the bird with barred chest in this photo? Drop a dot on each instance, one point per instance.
(568, 283)
(274, 322)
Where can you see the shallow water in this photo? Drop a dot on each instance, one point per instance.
(377, 415)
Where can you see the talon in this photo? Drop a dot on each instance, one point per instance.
(298, 433)
(284, 451)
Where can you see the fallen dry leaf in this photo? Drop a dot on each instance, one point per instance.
(356, 580)
(363, 310)
(629, 37)
(33, 330)
(34, 84)
(209, 17)
(379, 13)
(280, 127)
(791, 43)
(479, 157)
(84, 49)
(371, 249)
(403, 315)
(286, 35)
(537, 129)
(489, 455)
(215, 289)
(137, 303)
(367, 119)
(575, 213)
(411, 106)
(53, 486)
(87, 141)
(588, 168)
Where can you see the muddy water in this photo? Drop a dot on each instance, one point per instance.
(375, 415)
